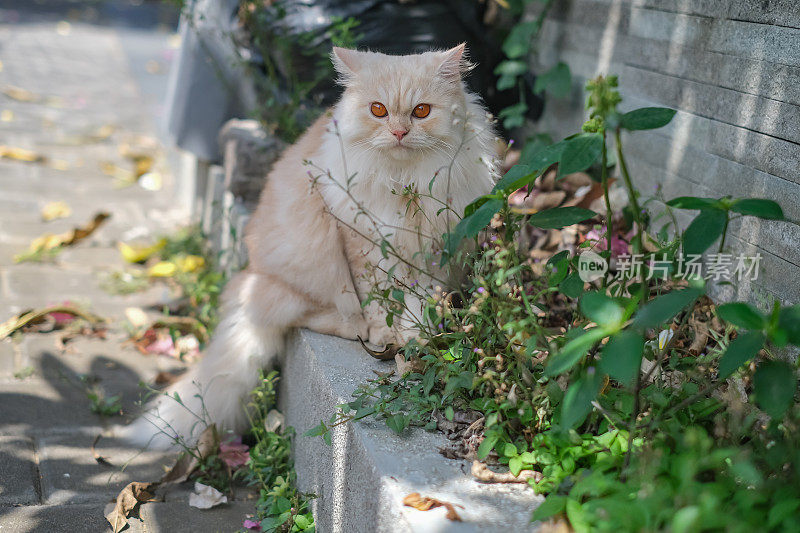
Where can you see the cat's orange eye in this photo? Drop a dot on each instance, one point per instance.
(378, 109)
(421, 111)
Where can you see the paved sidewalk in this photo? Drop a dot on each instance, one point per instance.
(82, 80)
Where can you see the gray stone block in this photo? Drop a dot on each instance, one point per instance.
(18, 475)
(780, 12)
(248, 155)
(360, 480)
(775, 44)
(696, 63)
(763, 115)
(756, 150)
(662, 26)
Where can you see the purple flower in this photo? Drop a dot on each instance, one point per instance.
(481, 290)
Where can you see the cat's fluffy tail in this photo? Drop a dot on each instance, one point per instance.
(215, 389)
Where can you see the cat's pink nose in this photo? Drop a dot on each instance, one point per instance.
(399, 134)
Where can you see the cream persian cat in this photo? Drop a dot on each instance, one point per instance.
(346, 185)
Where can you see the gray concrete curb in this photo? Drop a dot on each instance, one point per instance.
(361, 480)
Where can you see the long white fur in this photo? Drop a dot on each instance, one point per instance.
(305, 242)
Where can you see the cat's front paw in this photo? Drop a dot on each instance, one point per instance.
(381, 335)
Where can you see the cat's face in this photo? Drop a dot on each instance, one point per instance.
(403, 106)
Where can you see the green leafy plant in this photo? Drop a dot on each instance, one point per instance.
(280, 506)
(633, 390)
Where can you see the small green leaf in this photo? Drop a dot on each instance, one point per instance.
(517, 177)
(572, 286)
(557, 81)
(514, 116)
(544, 157)
(316, 431)
(302, 522)
(741, 349)
(573, 351)
(647, 118)
(580, 152)
(621, 357)
(471, 225)
(515, 465)
(397, 423)
(509, 450)
(706, 228)
(578, 399)
(742, 315)
(789, 321)
(759, 207)
(506, 82)
(774, 385)
(551, 506)
(511, 68)
(487, 444)
(692, 202)
(519, 39)
(560, 217)
(449, 413)
(398, 295)
(665, 307)
(601, 309)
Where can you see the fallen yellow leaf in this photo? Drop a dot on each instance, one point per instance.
(136, 253)
(7, 115)
(55, 210)
(186, 263)
(20, 154)
(190, 263)
(163, 269)
(50, 241)
(19, 94)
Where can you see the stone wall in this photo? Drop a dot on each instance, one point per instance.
(732, 69)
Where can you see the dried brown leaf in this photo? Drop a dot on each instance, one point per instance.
(165, 378)
(424, 503)
(483, 473)
(556, 525)
(31, 317)
(414, 364)
(387, 354)
(128, 499)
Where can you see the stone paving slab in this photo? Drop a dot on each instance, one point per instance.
(60, 518)
(18, 473)
(70, 473)
(168, 518)
(50, 480)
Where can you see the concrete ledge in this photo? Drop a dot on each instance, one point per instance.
(361, 480)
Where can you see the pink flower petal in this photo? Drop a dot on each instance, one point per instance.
(233, 453)
(251, 525)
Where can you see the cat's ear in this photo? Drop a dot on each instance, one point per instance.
(454, 63)
(347, 63)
